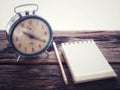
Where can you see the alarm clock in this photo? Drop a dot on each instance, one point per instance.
(29, 34)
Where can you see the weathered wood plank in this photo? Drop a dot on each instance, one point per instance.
(108, 42)
(41, 73)
(34, 77)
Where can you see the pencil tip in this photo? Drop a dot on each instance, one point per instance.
(66, 82)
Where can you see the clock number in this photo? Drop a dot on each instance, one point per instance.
(30, 22)
(37, 23)
(20, 45)
(29, 28)
(25, 48)
(31, 43)
(45, 33)
(42, 26)
(39, 46)
(16, 38)
(32, 49)
(22, 25)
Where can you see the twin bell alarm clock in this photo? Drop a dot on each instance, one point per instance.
(28, 34)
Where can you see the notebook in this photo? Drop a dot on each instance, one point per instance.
(86, 62)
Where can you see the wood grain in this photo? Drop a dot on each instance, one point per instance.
(107, 41)
(41, 73)
(42, 77)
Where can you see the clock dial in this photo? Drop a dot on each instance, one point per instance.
(31, 36)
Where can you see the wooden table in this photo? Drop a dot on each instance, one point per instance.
(41, 73)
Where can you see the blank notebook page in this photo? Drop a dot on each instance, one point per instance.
(86, 62)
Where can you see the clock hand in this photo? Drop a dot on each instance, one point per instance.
(39, 39)
(33, 37)
(28, 35)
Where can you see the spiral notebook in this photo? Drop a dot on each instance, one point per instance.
(86, 62)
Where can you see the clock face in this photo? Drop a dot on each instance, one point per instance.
(31, 36)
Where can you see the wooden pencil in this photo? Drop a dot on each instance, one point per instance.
(60, 64)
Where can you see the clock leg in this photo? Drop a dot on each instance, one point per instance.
(47, 54)
(18, 58)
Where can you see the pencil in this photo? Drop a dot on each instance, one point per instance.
(60, 64)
